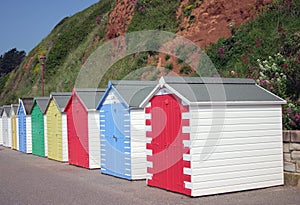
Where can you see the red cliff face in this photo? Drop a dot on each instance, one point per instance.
(211, 20)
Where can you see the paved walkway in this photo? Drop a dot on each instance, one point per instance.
(28, 179)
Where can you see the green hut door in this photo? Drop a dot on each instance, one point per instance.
(37, 123)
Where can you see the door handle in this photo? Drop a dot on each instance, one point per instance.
(116, 139)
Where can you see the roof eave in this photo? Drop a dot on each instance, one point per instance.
(240, 103)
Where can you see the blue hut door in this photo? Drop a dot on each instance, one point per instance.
(22, 130)
(116, 152)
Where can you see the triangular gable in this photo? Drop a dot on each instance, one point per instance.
(27, 104)
(131, 93)
(60, 100)
(204, 91)
(109, 88)
(42, 103)
(88, 97)
(6, 110)
(14, 109)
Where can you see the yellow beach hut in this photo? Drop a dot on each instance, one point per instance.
(14, 126)
(57, 137)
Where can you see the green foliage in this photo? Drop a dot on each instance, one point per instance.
(155, 14)
(168, 65)
(167, 57)
(10, 60)
(125, 67)
(268, 49)
(185, 70)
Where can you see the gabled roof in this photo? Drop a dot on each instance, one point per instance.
(42, 102)
(131, 92)
(196, 90)
(27, 104)
(60, 99)
(90, 96)
(14, 108)
(6, 109)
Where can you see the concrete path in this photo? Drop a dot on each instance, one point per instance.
(28, 179)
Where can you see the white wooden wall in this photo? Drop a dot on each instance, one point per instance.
(65, 156)
(234, 148)
(94, 139)
(138, 144)
(1, 132)
(9, 141)
(46, 135)
(28, 134)
(17, 132)
(5, 129)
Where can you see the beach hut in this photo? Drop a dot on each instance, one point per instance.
(14, 127)
(57, 136)
(37, 125)
(210, 135)
(6, 126)
(24, 124)
(1, 134)
(83, 127)
(123, 142)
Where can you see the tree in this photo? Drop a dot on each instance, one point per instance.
(10, 60)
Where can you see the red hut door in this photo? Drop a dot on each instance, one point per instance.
(167, 144)
(78, 134)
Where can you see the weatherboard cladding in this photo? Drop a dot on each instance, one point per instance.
(1, 130)
(226, 148)
(122, 136)
(6, 126)
(83, 127)
(14, 126)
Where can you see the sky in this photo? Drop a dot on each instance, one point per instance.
(24, 23)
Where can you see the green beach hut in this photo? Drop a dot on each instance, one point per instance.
(37, 125)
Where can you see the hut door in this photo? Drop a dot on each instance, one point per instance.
(14, 134)
(167, 146)
(22, 131)
(114, 136)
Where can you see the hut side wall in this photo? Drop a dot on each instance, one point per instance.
(64, 135)
(138, 144)
(1, 132)
(5, 129)
(9, 130)
(28, 135)
(234, 148)
(45, 135)
(94, 139)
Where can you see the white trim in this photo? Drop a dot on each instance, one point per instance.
(239, 103)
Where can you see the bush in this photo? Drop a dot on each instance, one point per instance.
(168, 65)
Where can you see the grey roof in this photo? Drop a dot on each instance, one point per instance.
(90, 96)
(61, 99)
(196, 89)
(6, 108)
(134, 92)
(42, 102)
(28, 104)
(15, 108)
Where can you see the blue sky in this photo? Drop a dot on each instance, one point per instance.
(24, 23)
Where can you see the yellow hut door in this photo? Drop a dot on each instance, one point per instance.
(14, 132)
